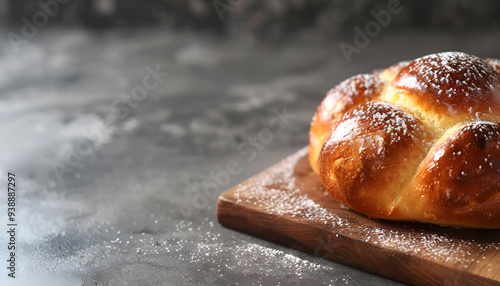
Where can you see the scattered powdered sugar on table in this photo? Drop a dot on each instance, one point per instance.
(271, 264)
(286, 199)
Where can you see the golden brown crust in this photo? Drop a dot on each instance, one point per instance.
(460, 178)
(417, 141)
(449, 87)
(391, 72)
(369, 153)
(343, 97)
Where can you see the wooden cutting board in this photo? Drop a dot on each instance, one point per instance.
(288, 205)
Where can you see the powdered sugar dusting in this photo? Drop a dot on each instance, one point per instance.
(273, 265)
(450, 74)
(393, 120)
(494, 63)
(281, 192)
(482, 127)
(350, 93)
(363, 84)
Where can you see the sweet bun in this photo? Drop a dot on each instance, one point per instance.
(418, 141)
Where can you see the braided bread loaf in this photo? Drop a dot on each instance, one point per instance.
(418, 141)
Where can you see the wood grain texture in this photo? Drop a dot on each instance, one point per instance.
(288, 205)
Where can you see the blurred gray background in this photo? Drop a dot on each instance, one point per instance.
(279, 18)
